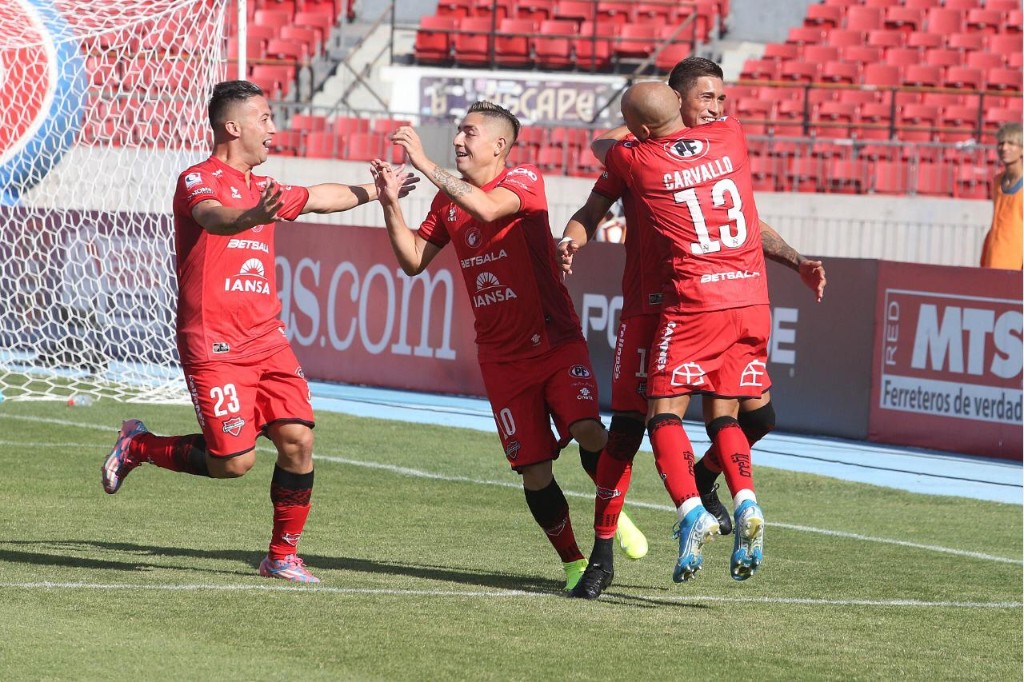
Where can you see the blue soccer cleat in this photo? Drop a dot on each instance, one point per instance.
(696, 528)
(748, 550)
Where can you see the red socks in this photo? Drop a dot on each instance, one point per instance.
(673, 456)
(290, 494)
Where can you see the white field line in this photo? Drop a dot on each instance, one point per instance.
(417, 473)
(503, 594)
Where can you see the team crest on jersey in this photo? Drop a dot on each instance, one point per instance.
(753, 374)
(233, 425)
(687, 149)
(579, 372)
(688, 374)
(192, 179)
(474, 237)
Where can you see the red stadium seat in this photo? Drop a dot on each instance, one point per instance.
(919, 114)
(882, 4)
(944, 21)
(882, 75)
(886, 38)
(840, 72)
(935, 179)
(905, 19)
(802, 71)
(960, 116)
(319, 20)
(987, 21)
(433, 44)
(805, 35)
(860, 18)
(453, 8)
(890, 177)
(858, 97)
(364, 146)
(922, 75)
(962, 5)
(1003, 5)
(493, 9)
(781, 51)
(636, 41)
(553, 47)
(347, 125)
(272, 17)
(288, 143)
(925, 40)
(819, 54)
(551, 159)
(308, 35)
(537, 10)
(288, 50)
(472, 41)
(826, 16)
(324, 145)
(513, 40)
(671, 55)
(943, 57)
(985, 61)
(967, 42)
(922, 4)
(964, 77)
(1004, 79)
(903, 56)
(594, 45)
(804, 173)
(842, 38)
(861, 54)
(579, 11)
(760, 69)
(308, 123)
(1014, 22)
(847, 175)
(276, 80)
(616, 12)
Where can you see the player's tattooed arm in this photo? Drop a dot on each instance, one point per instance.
(449, 184)
(812, 272)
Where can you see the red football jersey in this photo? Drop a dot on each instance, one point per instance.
(520, 306)
(646, 272)
(694, 187)
(227, 293)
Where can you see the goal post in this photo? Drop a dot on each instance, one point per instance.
(102, 104)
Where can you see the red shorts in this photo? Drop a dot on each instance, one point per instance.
(526, 395)
(629, 369)
(235, 401)
(721, 353)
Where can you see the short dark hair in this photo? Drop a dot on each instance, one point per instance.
(226, 93)
(686, 73)
(492, 110)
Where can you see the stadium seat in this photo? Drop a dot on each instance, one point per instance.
(819, 54)
(890, 177)
(616, 12)
(944, 21)
(594, 45)
(875, 122)
(781, 51)
(840, 37)
(324, 145)
(903, 56)
(984, 20)
(658, 12)
(847, 176)
(1002, 5)
(551, 159)
(433, 39)
(1014, 22)
(671, 55)
(882, 75)
(968, 42)
(886, 38)
(964, 77)
(922, 4)
(805, 35)
(494, 10)
(364, 146)
(254, 46)
(860, 18)
(861, 54)
(801, 71)
(935, 179)
(840, 72)
(760, 69)
(858, 97)
(472, 41)
(512, 43)
(272, 17)
(826, 16)
(985, 61)
(453, 8)
(1003, 79)
(636, 41)
(288, 143)
(276, 80)
(577, 10)
(919, 114)
(904, 19)
(803, 174)
(753, 112)
(922, 75)
(288, 50)
(1004, 44)
(347, 125)
(553, 45)
(959, 116)
(962, 5)
(308, 35)
(925, 40)
(882, 4)
(537, 10)
(943, 57)
(308, 123)
(318, 20)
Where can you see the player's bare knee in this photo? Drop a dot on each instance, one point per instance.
(231, 467)
(590, 434)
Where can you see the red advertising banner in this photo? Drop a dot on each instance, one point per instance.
(948, 359)
(353, 316)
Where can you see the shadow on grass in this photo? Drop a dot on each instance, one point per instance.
(68, 554)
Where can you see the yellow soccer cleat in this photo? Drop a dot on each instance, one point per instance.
(573, 572)
(631, 540)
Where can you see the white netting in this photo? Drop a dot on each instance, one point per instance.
(102, 104)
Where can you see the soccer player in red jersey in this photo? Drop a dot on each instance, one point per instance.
(692, 187)
(532, 354)
(700, 85)
(242, 375)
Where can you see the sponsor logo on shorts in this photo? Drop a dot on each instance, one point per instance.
(666, 338)
(641, 388)
(192, 179)
(655, 299)
(535, 339)
(753, 374)
(217, 173)
(220, 347)
(233, 425)
(688, 374)
(580, 372)
(512, 450)
(194, 393)
(585, 394)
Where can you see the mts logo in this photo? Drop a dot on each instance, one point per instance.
(968, 340)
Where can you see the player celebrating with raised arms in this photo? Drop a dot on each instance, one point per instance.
(532, 354)
(242, 375)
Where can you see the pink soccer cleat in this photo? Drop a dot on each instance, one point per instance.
(289, 568)
(118, 464)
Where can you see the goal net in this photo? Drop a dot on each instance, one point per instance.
(102, 104)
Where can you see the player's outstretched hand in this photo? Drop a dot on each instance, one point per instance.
(406, 138)
(406, 181)
(812, 272)
(567, 248)
(265, 210)
(384, 179)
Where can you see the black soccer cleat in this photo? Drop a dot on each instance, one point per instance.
(709, 498)
(594, 581)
